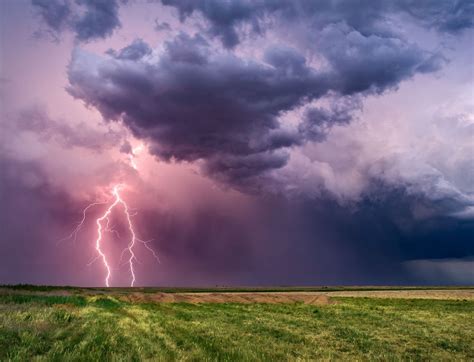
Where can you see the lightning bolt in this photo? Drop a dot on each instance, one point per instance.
(103, 225)
(105, 216)
(133, 239)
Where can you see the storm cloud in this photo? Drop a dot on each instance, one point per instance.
(87, 19)
(193, 101)
(258, 142)
(229, 20)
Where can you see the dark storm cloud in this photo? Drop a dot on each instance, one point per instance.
(87, 19)
(242, 171)
(55, 13)
(226, 18)
(372, 62)
(223, 17)
(135, 51)
(363, 48)
(99, 20)
(419, 226)
(445, 16)
(194, 101)
(318, 121)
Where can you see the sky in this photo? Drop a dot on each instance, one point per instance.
(323, 142)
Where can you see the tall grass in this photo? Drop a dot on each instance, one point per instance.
(104, 328)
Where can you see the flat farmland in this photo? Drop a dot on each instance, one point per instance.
(370, 323)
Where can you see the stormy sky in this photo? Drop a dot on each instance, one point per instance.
(299, 142)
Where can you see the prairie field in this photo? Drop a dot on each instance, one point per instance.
(72, 324)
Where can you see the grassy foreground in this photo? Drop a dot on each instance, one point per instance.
(76, 327)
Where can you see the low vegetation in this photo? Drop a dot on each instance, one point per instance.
(102, 327)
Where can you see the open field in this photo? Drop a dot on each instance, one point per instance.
(228, 324)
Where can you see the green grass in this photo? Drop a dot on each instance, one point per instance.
(68, 328)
